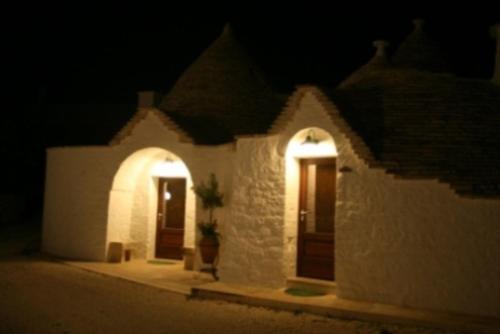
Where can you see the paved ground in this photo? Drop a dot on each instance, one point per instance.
(41, 296)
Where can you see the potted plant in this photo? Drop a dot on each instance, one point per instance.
(211, 199)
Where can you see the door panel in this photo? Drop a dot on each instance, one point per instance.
(170, 217)
(325, 198)
(315, 251)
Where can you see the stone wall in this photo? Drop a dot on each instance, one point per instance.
(416, 243)
(253, 238)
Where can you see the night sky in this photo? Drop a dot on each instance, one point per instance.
(71, 74)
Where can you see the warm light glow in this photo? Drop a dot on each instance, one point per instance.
(298, 147)
(311, 143)
(168, 195)
(133, 202)
(310, 138)
(169, 168)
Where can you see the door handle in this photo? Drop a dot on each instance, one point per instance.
(303, 213)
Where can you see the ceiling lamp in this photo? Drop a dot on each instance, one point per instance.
(310, 138)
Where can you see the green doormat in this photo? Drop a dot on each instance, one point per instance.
(160, 262)
(304, 292)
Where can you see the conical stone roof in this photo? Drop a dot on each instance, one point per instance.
(222, 95)
(419, 122)
(379, 62)
(419, 51)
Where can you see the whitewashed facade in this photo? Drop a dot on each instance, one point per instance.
(406, 242)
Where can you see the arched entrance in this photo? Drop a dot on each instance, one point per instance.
(310, 204)
(151, 208)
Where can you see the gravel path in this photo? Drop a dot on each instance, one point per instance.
(40, 296)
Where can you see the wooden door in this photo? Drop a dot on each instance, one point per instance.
(315, 249)
(170, 217)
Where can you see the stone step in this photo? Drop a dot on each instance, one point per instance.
(311, 283)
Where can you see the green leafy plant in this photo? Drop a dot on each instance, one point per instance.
(211, 198)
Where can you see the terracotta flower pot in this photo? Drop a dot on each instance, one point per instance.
(209, 249)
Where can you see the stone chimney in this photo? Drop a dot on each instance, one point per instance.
(381, 47)
(418, 24)
(227, 29)
(380, 56)
(496, 72)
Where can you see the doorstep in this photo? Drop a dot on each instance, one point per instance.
(332, 306)
(311, 283)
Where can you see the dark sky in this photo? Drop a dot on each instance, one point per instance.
(104, 50)
(72, 72)
(83, 54)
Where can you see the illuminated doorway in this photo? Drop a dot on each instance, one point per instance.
(310, 200)
(315, 242)
(170, 217)
(133, 213)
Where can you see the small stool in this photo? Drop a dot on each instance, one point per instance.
(188, 256)
(115, 251)
(128, 254)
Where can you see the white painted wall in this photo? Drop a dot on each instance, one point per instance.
(416, 243)
(253, 242)
(76, 201)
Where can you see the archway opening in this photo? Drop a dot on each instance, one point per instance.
(138, 203)
(310, 167)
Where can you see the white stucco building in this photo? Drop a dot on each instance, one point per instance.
(388, 184)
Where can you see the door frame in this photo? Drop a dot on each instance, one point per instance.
(301, 225)
(159, 199)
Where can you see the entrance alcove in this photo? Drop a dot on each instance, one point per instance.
(310, 168)
(137, 207)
